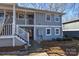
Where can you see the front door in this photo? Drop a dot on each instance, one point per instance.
(30, 30)
(31, 34)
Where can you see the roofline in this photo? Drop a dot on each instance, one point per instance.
(10, 4)
(41, 10)
(71, 21)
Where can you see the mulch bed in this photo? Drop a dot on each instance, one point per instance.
(67, 48)
(10, 48)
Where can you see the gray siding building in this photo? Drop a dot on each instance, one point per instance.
(21, 25)
(71, 28)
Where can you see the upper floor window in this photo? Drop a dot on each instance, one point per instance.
(48, 31)
(57, 31)
(57, 19)
(48, 18)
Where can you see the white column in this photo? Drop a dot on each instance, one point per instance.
(3, 22)
(34, 26)
(61, 25)
(13, 28)
(4, 15)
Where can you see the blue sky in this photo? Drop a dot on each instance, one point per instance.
(71, 11)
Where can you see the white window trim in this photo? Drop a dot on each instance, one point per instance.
(46, 18)
(58, 18)
(59, 31)
(46, 32)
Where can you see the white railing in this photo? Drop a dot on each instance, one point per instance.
(20, 21)
(7, 29)
(26, 21)
(23, 35)
(30, 21)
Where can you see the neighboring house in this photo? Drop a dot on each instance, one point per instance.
(71, 28)
(19, 25)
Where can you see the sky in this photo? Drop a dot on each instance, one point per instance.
(71, 11)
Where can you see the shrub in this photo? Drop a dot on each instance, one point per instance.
(66, 36)
(77, 38)
(53, 39)
(67, 39)
(59, 39)
(46, 43)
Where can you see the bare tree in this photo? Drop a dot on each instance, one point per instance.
(60, 7)
(71, 9)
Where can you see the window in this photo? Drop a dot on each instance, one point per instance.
(21, 16)
(57, 19)
(57, 31)
(1, 15)
(48, 18)
(48, 31)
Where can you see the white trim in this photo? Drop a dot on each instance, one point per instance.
(6, 36)
(62, 26)
(4, 15)
(71, 30)
(38, 26)
(14, 22)
(34, 26)
(46, 17)
(46, 32)
(59, 31)
(13, 41)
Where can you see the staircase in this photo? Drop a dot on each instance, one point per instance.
(23, 35)
(6, 32)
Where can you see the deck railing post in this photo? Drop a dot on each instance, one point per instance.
(34, 26)
(13, 29)
(28, 39)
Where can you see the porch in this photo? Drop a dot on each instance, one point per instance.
(10, 19)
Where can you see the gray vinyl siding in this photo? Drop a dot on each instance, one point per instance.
(5, 42)
(74, 25)
(41, 19)
(42, 31)
(20, 22)
(71, 33)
